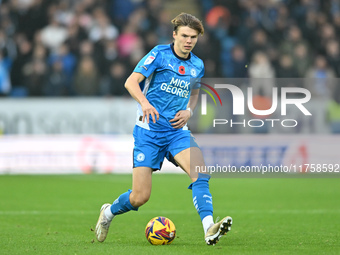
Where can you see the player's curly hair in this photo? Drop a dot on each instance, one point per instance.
(186, 19)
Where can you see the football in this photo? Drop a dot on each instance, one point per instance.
(160, 231)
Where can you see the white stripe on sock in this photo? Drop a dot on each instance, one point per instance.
(108, 213)
(207, 222)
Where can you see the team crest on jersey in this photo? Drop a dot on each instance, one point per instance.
(193, 72)
(140, 157)
(181, 70)
(149, 60)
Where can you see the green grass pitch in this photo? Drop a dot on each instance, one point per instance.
(55, 214)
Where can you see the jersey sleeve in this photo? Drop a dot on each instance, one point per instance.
(149, 63)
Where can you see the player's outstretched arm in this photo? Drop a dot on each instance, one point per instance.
(193, 99)
(132, 85)
(182, 117)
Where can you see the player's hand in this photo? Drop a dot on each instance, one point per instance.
(181, 118)
(148, 110)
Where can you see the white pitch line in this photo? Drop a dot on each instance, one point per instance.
(166, 212)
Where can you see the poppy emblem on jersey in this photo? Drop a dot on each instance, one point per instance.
(181, 70)
(149, 60)
(193, 72)
(140, 157)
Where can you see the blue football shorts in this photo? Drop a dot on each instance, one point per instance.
(151, 147)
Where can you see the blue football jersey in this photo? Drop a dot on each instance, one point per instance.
(168, 83)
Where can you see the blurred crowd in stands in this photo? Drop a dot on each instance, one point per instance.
(89, 47)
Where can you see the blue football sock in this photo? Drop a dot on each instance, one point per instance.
(201, 195)
(122, 204)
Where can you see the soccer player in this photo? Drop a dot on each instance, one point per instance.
(162, 84)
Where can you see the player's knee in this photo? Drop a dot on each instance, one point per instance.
(138, 200)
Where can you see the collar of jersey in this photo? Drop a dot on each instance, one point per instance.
(173, 51)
